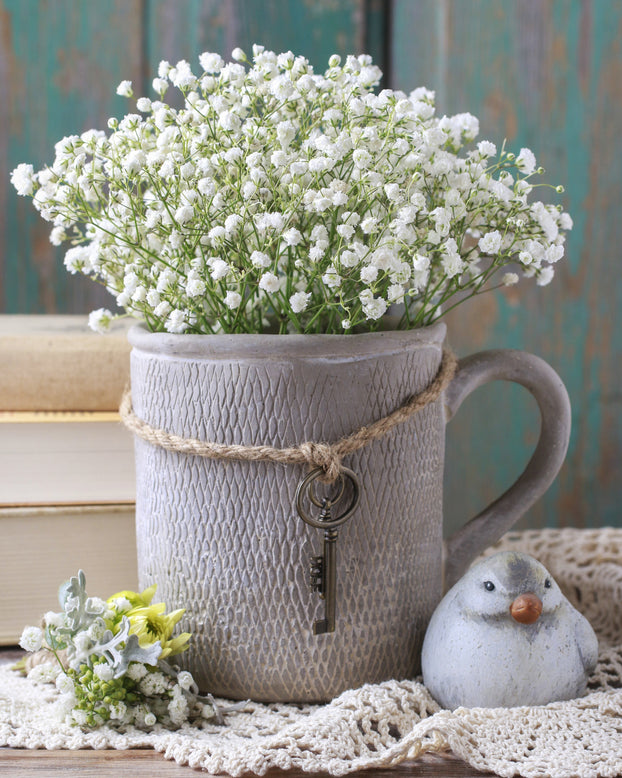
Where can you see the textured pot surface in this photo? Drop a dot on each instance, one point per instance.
(223, 538)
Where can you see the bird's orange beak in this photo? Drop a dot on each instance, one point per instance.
(526, 608)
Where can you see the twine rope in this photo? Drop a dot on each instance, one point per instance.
(327, 456)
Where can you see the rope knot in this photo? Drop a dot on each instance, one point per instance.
(324, 456)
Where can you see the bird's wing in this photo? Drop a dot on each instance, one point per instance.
(587, 642)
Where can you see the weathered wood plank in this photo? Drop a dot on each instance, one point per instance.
(145, 764)
(314, 28)
(60, 63)
(546, 75)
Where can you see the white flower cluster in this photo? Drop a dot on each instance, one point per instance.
(281, 198)
(109, 669)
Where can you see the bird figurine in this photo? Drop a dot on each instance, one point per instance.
(505, 635)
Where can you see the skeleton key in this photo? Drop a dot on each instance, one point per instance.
(323, 579)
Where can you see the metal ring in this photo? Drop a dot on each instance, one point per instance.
(332, 500)
(303, 487)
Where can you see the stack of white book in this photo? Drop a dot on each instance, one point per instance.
(67, 481)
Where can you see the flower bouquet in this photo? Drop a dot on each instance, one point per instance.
(278, 199)
(113, 661)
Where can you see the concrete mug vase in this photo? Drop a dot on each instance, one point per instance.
(223, 538)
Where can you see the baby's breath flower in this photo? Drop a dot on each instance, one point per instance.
(211, 63)
(369, 274)
(118, 710)
(163, 309)
(176, 322)
(554, 253)
(299, 301)
(260, 259)
(125, 89)
(153, 684)
(44, 673)
(22, 179)
(195, 287)
(374, 307)
(52, 619)
(121, 604)
(319, 200)
(220, 269)
(509, 279)
(178, 708)
(490, 243)
(565, 221)
(160, 85)
(526, 161)
(104, 672)
(185, 680)
(545, 276)
(31, 639)
(233, 299)
(136, 671)
(292, 237)
(100, 320)
(486, 148)
(269, 282)
(65, 684)
(143, 104)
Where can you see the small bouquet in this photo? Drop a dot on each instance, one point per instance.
(111, 661)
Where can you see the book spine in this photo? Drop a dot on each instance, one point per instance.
(51, 364)
(45, 546)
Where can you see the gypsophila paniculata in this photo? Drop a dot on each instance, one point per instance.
(110, 661)
(279, 199)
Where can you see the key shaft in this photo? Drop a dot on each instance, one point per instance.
(329, 584)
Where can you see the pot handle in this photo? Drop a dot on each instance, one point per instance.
(546, 386)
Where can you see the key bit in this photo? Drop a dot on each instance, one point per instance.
(316, 577)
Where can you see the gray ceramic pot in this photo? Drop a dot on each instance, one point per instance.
(223, 539)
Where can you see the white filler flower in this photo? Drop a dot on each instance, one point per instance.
(31, 639)
(270, 195)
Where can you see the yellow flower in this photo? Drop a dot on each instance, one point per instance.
(150, 623)
(136, 599)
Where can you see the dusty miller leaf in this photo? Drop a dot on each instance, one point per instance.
(119, 656)
(79, 608)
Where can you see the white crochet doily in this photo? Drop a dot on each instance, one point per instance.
(387, 723)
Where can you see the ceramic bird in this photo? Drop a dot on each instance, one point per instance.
(505, 635)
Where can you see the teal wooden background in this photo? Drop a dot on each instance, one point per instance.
(545, 74)
(542, 73)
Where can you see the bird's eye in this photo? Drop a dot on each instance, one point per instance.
(547, 583)
(489, 586)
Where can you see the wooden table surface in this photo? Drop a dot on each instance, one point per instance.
(145, 763)
(20, 763)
